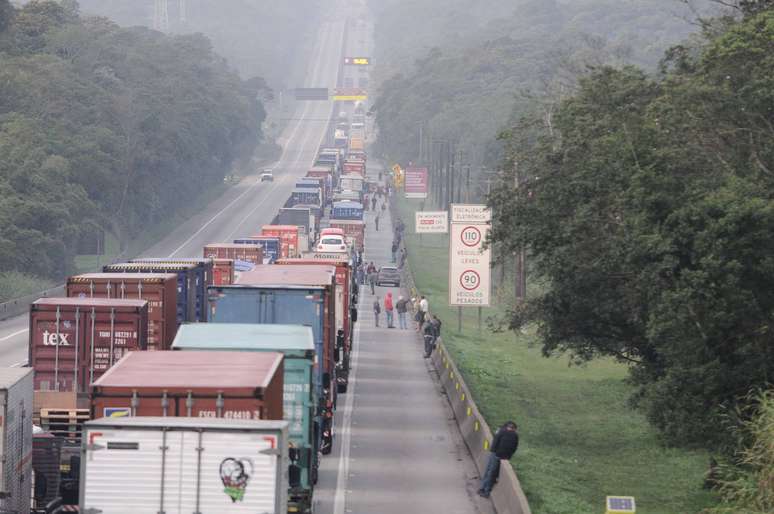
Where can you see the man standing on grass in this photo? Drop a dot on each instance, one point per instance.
(504, 445)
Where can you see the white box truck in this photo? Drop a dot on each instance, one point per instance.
(16, 389)
(147, 465)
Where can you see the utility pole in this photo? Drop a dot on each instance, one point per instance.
(161, 15)
(182, 11)
(520, 256)
(452, 170)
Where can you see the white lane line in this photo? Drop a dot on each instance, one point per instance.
(22, 331)
(19, 364)
(340, 500)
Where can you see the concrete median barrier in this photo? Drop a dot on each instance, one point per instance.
(507, 496)
(13, 308)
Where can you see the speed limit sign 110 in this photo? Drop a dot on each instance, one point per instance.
(469, 265)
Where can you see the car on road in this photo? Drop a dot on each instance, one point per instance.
(332, 243)
(388, 275)
(267, 176)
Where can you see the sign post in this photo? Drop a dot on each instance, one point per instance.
(469, 261)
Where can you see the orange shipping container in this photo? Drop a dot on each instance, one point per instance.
(288, 235)
(159, 289)
(241, 252)
(222, 272)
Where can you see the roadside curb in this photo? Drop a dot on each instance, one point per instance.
(507, 496)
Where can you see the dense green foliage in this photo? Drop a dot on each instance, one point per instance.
(746, 484)
(258, 37)
(647, 207)
(102, 126)
(458, 72)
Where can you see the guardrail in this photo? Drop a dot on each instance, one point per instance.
(507, 496)
(21, 305)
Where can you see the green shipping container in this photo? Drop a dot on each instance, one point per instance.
(296, 342)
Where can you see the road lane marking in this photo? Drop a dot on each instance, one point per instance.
(340, 499)
(14, 334)
(19, 364)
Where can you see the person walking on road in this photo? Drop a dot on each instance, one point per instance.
(360, 274)
(365, 202)
(394, 249)
(376, 221)
(402, 258)
(373, 202)
(377, 311)
(436, 324)
(504, 445)
(388, 310)
(402, 307)
(422, 312)
(372, 279)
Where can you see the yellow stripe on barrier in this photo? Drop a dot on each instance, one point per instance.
(486, 444)
(457, 386)
(462, 398)
(451, 374)
(475, 426)
(470, 411)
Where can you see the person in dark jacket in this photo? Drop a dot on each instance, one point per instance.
(428, 335)
(504, 445)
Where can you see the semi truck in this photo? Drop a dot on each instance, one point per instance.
(16, 440)
(184, 465)
(302, 295)
(296, 343)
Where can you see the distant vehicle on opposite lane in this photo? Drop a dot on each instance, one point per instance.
(388, 275)
(267, 176)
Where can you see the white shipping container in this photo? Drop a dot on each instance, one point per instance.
(147, 465)
(16, 388)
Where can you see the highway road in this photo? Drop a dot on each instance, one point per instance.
(245, 207)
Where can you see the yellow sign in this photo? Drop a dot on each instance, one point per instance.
(360, 61)
(350, 98)
(620, 505)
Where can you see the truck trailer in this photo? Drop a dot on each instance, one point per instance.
(184, 465)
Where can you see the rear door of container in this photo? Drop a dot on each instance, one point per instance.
(127, 472)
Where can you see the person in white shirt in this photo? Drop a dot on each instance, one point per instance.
(422, 312)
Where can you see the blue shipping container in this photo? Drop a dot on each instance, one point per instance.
(203, 271)
(270, 245)
(347, 211)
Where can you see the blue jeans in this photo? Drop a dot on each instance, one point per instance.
(402, 320)
(490, 475)
(389, 318)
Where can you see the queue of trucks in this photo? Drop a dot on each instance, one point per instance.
(209, 383)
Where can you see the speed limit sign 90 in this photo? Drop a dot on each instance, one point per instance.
(470, 280)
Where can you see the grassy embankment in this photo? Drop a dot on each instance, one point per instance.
(580, 440)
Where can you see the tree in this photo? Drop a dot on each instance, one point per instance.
(6, 14)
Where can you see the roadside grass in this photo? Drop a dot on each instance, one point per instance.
(580, 441)
(14, 284)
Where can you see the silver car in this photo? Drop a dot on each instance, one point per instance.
(388, 275)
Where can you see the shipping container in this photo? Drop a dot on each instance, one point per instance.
(352, 182)
(314, 183)
(203, 279)
(345, 306)
(271, 246)
(158, 289)
(347, 210)
(243, 252)
(223, 271)
(296, 343)
(15, 440)
(184, 466)
(288, 235)
(354, 166)
(301, 217)
(191, 384)
(306, 196)
(353, 229)
(74, 341)
(186, 282)
(302, 295)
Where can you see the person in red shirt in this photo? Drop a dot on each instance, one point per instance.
(388, 309)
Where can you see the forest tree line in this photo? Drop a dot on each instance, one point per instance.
(107, 128)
